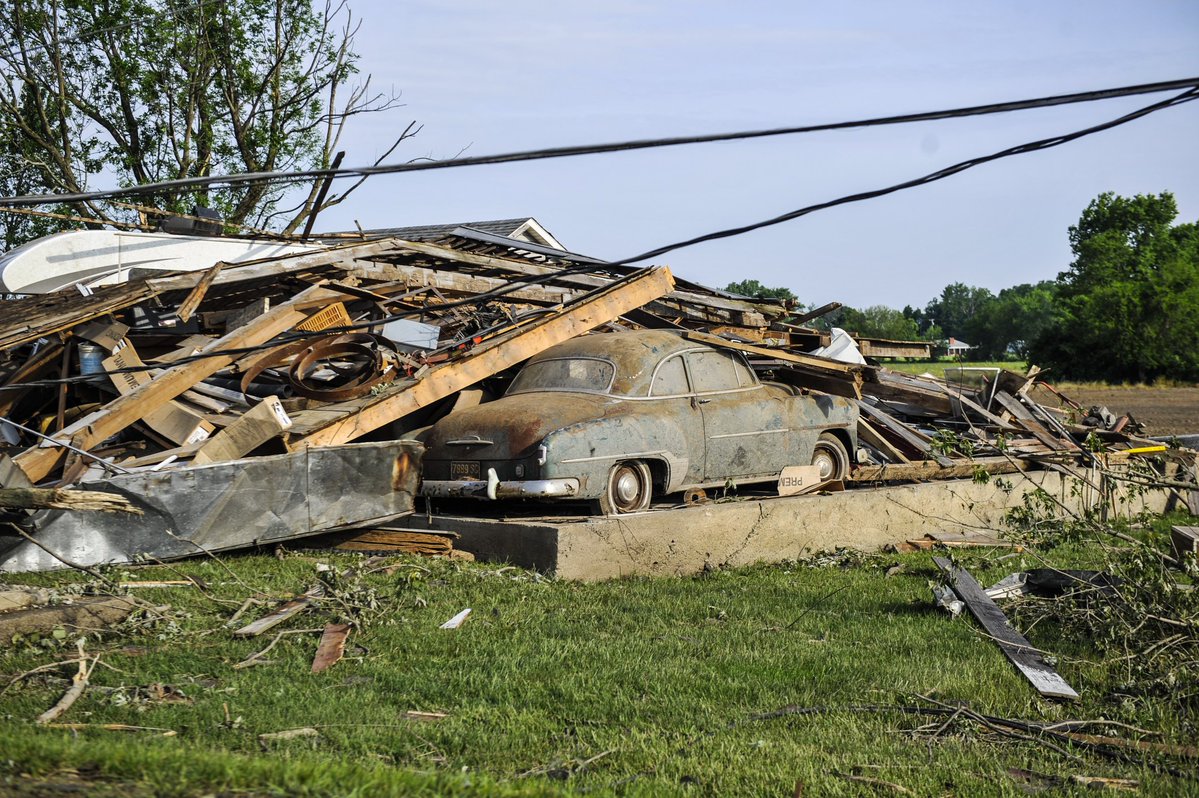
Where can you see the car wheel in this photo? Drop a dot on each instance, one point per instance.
(629, 489)
(830, 457)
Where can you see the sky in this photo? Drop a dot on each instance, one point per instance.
(488, 77)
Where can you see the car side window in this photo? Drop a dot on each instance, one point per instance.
(670, 379)
(745, 377)
(713, 371)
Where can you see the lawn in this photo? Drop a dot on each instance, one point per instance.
(667, 686)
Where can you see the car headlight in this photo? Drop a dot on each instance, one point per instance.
(520, 470)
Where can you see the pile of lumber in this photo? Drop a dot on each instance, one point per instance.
(368, 339)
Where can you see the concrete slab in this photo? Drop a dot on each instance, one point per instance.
(742, 532)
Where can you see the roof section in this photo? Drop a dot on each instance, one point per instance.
(525, 229)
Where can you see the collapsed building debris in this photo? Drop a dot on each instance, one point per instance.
(263, 400)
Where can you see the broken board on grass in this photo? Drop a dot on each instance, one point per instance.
(191, 511)
(1026, 657)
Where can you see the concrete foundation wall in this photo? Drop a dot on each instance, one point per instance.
(683, 541)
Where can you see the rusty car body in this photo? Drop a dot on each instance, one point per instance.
(615, 418)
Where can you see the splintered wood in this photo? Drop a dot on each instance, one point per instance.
(372, 337)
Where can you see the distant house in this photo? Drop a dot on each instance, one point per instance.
(956, 348)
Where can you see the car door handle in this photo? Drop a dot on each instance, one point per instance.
(702, 401)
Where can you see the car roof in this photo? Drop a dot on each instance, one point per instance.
(635, 354)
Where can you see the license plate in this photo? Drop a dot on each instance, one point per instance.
(465, 469)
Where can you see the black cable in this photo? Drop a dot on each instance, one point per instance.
(517, 282)
(932, 177)
(595, 149)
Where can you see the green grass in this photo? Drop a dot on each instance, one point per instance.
(653, 683)
(937, 367)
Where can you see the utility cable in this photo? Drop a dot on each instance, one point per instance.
(595, 149)
(515, 283)
(932, 177)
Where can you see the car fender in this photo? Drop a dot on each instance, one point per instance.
(589, 449)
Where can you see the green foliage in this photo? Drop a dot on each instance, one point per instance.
(1128, 307)
(755, 290)
(152, 90)
(955, 310)
(1005, 325)
(876, 321)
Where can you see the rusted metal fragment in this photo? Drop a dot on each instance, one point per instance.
(332, 646)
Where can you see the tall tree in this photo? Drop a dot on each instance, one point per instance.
(152, 90)
(1006, 326)
(954, 310)
(1129, 303)
(876, 321)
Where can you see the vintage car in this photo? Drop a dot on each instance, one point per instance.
(615, 418)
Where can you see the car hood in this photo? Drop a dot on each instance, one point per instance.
(514, 425)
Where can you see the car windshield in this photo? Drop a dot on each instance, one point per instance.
(587, 375)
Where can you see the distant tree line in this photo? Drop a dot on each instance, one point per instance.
(1126, 309)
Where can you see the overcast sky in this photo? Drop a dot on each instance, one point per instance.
(491, 77)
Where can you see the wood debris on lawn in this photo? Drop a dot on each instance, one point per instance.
(1030, 661)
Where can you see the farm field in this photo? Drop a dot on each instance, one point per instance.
(1163, 409)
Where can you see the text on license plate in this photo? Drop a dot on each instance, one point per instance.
(465, 469)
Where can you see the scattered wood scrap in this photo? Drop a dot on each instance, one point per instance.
(331, 647)
(952, 540)
(1014, 645)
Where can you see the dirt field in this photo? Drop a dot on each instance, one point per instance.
(1163, 411)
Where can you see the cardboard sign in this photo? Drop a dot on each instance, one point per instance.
(173, 421)
(799, 479)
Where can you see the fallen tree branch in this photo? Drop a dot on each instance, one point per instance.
(78, 685)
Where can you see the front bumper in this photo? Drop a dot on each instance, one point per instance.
(492, 488)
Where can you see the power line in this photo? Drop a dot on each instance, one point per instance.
(940, 174)
(517, 282)
(596, 149)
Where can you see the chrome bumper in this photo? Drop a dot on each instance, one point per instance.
(492, 488)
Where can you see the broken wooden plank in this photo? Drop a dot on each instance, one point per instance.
(256, 426)
(388, 541)
(909, 436)
(172, 420)
(283, 612)
(850, 372)
(332, 646)
(1027, 658)
(196, 295)
(64, 499)
(871, 436)
(1029, 422)
(930, 470)
(39, 461)
(344, 422)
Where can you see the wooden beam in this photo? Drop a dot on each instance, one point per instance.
(351, 420)
(1014, 645)
(870, 435)
(929, 470)
(905, 433)
(196, 295)
(118, 414)
(1029, 422)
(750, 314)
